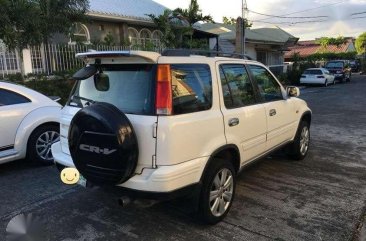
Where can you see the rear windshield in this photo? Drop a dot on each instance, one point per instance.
(313, 72)
(131, 89)
(334, 65)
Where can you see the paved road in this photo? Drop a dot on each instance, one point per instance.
(320, 198)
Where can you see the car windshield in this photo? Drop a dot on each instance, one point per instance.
(313, 72)
(334, 65)
(129, 87)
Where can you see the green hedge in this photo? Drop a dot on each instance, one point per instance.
(59, 84)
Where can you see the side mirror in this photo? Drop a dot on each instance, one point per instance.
(101, 81)
(293, 91)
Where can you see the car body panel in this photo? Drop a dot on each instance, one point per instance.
(313, 78)
(186, 142)
(24, 119)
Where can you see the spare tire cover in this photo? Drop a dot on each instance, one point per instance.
(103, 144)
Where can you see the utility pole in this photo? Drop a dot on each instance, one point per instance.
(244, 17)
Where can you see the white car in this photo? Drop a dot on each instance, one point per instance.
(317, 76)
(174, 124)
(29, 124)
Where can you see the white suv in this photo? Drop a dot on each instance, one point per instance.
(164, 125)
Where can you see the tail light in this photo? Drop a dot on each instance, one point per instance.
(164, 102)
(320, 76)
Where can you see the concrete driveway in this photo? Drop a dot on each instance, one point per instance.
(320, 198)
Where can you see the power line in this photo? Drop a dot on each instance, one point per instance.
(279, 16)
(353, 14)
(306, 10)
(291, 23)
(358, 17)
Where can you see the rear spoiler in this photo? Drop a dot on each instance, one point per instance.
(55, 98)
(145, 56)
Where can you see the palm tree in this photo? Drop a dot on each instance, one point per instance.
(191, 16)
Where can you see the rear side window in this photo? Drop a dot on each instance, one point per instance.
(236, 86)
(191, 88)
(269, 88)
(8, 97)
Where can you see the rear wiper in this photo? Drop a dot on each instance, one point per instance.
(83, 98)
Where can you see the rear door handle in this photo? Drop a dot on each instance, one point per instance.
(272, 112)
(233, 122)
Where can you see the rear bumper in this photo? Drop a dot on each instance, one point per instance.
(312, 81)
(163, 179)
(339, 76)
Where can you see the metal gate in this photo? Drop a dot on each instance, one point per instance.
(9, 61)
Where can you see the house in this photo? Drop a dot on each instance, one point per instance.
(266, 45)
(123, 22)
(307, 48)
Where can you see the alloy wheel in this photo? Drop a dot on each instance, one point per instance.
(304, 140)
(44, 143)
(221, 193)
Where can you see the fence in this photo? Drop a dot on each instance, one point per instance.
(50, 58)
(53, 58)
(9, 61)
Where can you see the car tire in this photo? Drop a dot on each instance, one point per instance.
(218, 191)
(39, 144)
(300, 146)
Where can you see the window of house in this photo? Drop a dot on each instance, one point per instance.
(80, 34)
(145, 37)
(237, 88)
(269, 88)
(156, 37)
(191, 87)
(262, 57)
(133, 36)
(8, 97)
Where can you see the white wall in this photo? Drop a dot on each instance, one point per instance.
(250, 50)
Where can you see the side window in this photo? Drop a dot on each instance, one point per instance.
(8, 97)
(236, 86)
(269, 89)
(191, 87)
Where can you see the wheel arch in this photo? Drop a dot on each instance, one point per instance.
(226, 152)
(50, 123)
(306, 116)
(32, 121)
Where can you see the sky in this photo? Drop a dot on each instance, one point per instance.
(336, 15)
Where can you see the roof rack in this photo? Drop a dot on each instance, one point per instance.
(208, 53)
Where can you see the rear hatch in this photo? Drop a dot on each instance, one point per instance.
(312, 74)
(131, 89)
(335, 67)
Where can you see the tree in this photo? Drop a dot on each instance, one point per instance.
(326, 41)
(361, 44)
(361, 49)
(164, 23)
(30, 22)
(191, 15)
(232, 21)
